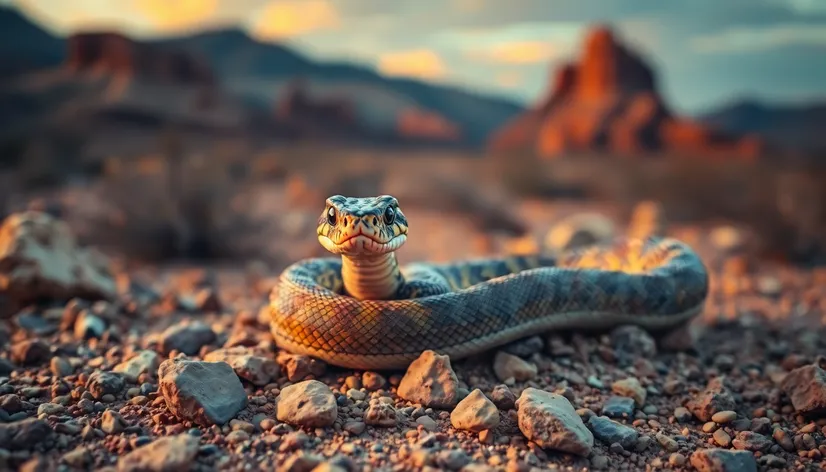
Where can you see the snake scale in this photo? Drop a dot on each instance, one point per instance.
(363, 310)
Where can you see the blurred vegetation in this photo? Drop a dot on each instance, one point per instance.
(194, 202)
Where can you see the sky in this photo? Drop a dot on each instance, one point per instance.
(704, 51)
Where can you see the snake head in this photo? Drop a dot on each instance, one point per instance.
(366, 226)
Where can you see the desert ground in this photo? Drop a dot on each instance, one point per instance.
(136, 330)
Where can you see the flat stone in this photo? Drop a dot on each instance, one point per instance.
(609, 432)
(618, 407)
(723, 460)
(551, 422)
(167, 454)
(187, 338)
(248, 363)
(309, 403)
(206, 393)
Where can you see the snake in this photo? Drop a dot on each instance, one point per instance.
(361, 309)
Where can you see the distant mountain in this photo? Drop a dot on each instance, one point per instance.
(24, 46)
(261, 75)
(800, 128)
(250, 68)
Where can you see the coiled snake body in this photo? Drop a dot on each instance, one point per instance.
(361, 310)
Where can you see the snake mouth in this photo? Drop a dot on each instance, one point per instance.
(362, 244)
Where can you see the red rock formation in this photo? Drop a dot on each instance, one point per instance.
(608, 101)
(115, 54)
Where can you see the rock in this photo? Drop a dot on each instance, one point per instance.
(723, 460)
(309, 403)
(29, 352)
(102, 383)
(11, 403)
(166, 454)
(50, 409)
(806, 388)
(723, 417)
(143, 362)
(551, 422)
(206, 393)
(188, 337)
(502, 397)
(78, 458)
(430, 381)
(630, 388)
(475, 413)
(60, 367)
(632, 342)
(246, 362)
(111, 422)
(716, 397)
(751, 441)
(381, 414)
(298, 366)
(207, 300)
(89, 326)
(609, 432)
(609, 101)
(23, 434)
(373, 381)
(507, 366)
(41, 260)
(525, 347)
(618, 407)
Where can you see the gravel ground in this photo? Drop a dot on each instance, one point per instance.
(182, 375)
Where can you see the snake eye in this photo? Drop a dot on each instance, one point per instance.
(389, 216)
(331, 216)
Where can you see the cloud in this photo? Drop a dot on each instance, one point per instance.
(165, 15)
(751, 40)
(518, 52)
(421, 63)
(282, 19)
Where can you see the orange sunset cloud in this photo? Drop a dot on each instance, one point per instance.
(421, 63)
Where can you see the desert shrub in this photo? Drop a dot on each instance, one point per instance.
(174, 206)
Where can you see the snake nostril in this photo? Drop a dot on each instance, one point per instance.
(375, 221)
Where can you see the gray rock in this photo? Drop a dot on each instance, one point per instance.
(309, 403)
(101, 383)
(723, 460)
(144, 362)
(631, 342)
(206, 393)
(430, 381)
(475, 413)
(618, 407)
(42, 260)
(525, 347)
(167, 454)
(551, 422)
(23, 434)
(187, 338)
(381, 414)
(609, 432)
(751, 441)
